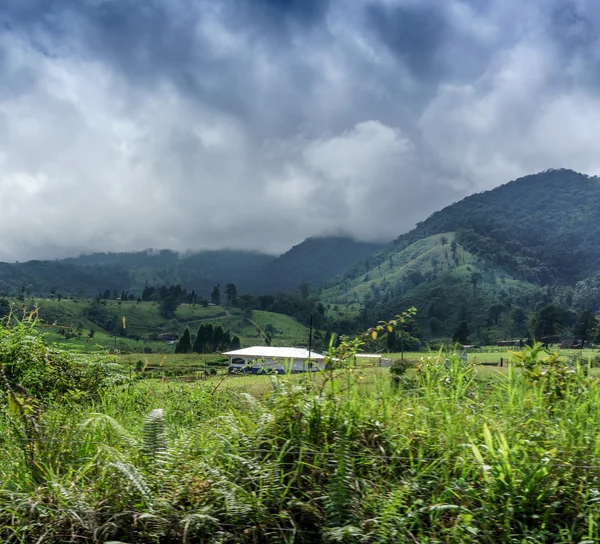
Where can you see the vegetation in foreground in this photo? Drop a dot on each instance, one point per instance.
(343, 456)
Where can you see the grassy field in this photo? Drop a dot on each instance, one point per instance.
(493, 354)
(450, 453)
(143, 319)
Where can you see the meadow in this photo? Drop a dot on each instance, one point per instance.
(143, 320)
(446, 452)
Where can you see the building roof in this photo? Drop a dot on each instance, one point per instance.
(256, 352)
(369, 356)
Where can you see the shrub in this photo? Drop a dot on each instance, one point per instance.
(47, 372)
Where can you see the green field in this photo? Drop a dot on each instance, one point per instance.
(448, 452)
(143, 319)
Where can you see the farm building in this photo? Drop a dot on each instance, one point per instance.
(571, 343)
(509, 343)
(258, 359)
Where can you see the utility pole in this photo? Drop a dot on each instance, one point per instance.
(310, 327)
(402, 340)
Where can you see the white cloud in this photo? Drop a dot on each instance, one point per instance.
(228, 134)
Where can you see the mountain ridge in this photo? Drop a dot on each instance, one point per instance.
(511, 250)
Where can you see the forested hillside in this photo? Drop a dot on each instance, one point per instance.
(311, 262)
(51, 277)
(493, 260)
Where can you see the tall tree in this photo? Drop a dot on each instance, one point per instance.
(200, 340)
(495, 311)
(215, 296)
(208, 332)
(461, 334)
(230, 293)
(185, 342)
(546, 322)
(168, 306)
(586, 326)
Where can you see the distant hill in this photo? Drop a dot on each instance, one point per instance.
(193, 270)
(35, 277)
(491, 259)
(313, 262)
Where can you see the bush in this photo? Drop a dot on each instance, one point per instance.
(47, 372)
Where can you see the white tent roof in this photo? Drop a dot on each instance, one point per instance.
(369, 356)
(274, 352)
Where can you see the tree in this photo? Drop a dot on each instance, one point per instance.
(494, 312)
(518, 316)
(168, 306)
(546, 321)
(230, 293)
(185, 342)
(215, 296)
(200, 340)
(208, 334)
(461, 334)
(248, 313)
(435, 325)
(586, 326)
(218, 337)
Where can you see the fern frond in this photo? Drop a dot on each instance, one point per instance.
(136, 479)
(104, 421)
(197, 520)
(155, 436)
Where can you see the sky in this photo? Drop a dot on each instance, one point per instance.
(253, 124)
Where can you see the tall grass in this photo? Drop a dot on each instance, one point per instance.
(440, 455)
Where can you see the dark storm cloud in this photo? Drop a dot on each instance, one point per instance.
(414, 32)
(256, 123)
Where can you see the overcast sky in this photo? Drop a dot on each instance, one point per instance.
(202, 124)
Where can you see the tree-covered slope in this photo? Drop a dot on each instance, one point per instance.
(492, 259)
(193, 270)
(542, 228)
(50, 276)
(312, 262)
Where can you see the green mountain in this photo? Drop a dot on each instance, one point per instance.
(200, 271)
(43, 277)
(313, 262)
(492, 259)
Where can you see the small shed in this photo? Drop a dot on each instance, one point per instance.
(269, 359)
(571, 343)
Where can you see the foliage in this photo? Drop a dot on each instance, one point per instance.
(341, 456)
(528, 244)
(47, 372)
(213, 338)
(461, 334)
(553, 377)
(184, 345)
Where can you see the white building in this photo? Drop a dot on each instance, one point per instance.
(267, 359)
